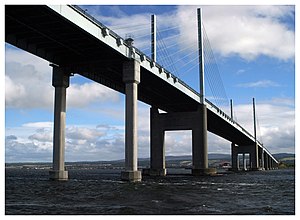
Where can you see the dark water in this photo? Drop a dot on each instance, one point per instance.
(102, 192)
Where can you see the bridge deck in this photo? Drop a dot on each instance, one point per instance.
(68, 37)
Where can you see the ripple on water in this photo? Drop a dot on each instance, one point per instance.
(96, 192)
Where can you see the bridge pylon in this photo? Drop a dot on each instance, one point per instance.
(170, 121)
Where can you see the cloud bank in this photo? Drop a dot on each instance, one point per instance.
(28, 85)
(107, 142)
(259, 84)
(244, 31)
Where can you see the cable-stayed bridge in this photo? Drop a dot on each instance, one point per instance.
(74, 42)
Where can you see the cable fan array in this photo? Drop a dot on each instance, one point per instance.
(180, 57)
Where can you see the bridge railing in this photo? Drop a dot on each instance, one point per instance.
(91, 18)
(224, 115)
(236, 124)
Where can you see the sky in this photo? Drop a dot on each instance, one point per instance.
(253, 46)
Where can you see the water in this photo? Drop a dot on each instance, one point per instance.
(102, 192)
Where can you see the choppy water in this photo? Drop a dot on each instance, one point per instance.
(102, 192)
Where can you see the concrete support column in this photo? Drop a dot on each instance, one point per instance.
(262, 159)
(157, 145)
(266, 162)
(199, 144)
(131, 78)
(234, 157)
(270, 162)
(254, 157)
(60, 81)
(244, 162)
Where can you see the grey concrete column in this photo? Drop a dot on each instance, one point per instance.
(157, 145)
(131, 78)
(262, 159)
(238, 161)
(270, 162)
(266, 163)
(244, 162)
(60, 81)
(199, 144)
(234, 157)
(254, 157)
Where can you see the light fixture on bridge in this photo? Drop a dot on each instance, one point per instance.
(120, 42)
(161, 70)
(129, 39)
(142, 57)
(105, 32)
(152, 64)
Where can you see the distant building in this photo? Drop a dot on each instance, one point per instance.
(225, 165)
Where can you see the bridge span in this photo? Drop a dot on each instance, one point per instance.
(74, 42)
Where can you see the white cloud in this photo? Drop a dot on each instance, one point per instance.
(33, 142)
(28, 82)
(245, 31)
(82, 133)
(259, 84)
(41, 137)
(281, 101)
(240, 71)
(178, 143)
(46, 124)
(11, 137)
(16, 151)
(276, 124)
(26, 87)
(87, 93)
(136, 25)
(15, 91)
(107, 142)
(16, 56)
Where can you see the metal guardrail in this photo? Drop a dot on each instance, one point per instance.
(223, 114)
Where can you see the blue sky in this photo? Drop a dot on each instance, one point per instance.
(253, 46)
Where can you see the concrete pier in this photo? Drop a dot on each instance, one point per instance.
(234, 157)
(199, 144)
(262, 159)
(195, 121)
(248, 149)
(266, 163)
(271, 164)
(60, 81)
(244, 162)
(259, 158)
(157, 145)
(131, 78)
(254, 158)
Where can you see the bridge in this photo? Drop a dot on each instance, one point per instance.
(74, 42)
